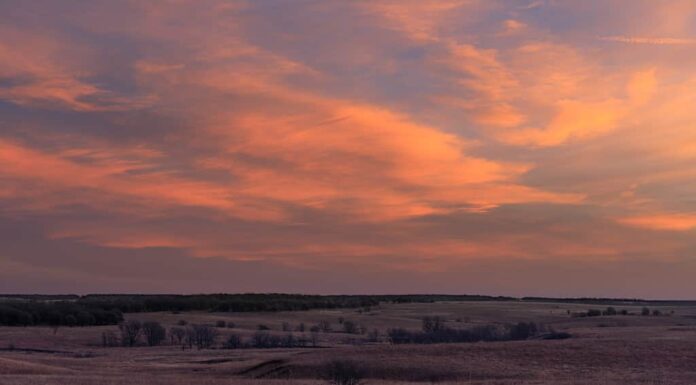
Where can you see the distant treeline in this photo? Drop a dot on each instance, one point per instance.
(56, 313)
(611, 301)
(225, 302)
(105, 309)
(101, 309)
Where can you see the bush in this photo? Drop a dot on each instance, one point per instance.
(399, 336)
(523, 330)
(645, 311)
(594, 313)
(231, 325)
(433, 324)
(343, 373)
(556, 336)
(263, 327)
(610, 311)
(182, 322)
(656, 312)
(220, 323)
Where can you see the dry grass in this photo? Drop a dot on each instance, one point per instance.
(606, 350)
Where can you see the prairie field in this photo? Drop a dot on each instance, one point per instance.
(606, 349)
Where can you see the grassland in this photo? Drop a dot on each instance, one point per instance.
(617, 349)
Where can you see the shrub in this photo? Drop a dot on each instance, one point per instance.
(523, 330)
(231, 325)
(433, 324)
(594, 313)
(263, 327)
(610, 311)
(220, 323)
(645, 311)
(154, 333)
(656, 312)
(285, 327)
(399, 336)
(182, 322)
(343, 373)
(556, 336)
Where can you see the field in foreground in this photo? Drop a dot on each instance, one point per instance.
(612, 349)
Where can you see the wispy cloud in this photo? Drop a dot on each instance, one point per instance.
(649, 40)
(381, 137)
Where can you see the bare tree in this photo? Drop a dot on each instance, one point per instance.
(203, 336)
(130, 332)
(324, 326)
(177, 334)
(109, 339)
(233, 342)
(154, 333)
(314, 338)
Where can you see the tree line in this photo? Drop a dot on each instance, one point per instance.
(60, 313)
(434, 331)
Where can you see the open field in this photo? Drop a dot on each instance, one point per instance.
(617, 349)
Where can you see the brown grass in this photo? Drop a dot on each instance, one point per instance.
(605, 350)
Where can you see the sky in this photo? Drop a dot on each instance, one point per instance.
(542, 148)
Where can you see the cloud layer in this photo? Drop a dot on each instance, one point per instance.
(361, 147)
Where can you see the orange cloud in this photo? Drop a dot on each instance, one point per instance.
(577, 120)
(670, 222)
(335, 148)
(420, 20)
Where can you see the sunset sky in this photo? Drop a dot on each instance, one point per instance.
(459, 146)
